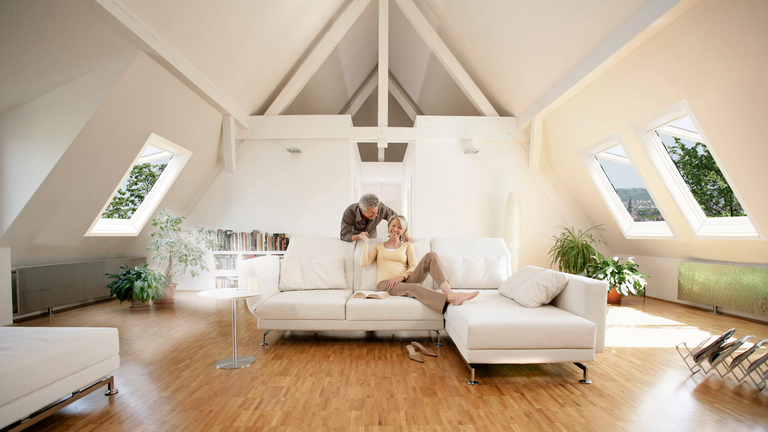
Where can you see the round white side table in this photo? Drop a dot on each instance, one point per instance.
(233, 294)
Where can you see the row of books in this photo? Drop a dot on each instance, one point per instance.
(225, 262)
(226, 282)
(228, 240)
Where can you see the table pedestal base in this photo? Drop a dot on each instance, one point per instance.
(227, 363)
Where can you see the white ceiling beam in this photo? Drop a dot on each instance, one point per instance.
(383, 81)
(402, 97)
(446, 57)
(126, 23)
(639, 28)
(317, 56)
(228, 133)
(534, 154)
(362, 94)
(339, 127)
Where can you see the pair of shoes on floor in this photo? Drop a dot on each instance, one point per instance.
(417, 356)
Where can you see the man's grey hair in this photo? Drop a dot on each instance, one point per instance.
(368, 200)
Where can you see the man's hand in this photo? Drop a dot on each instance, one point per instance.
(362, 236)
(394, 281)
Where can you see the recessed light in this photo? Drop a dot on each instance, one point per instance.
(293, 150)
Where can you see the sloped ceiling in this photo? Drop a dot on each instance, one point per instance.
(45, 44)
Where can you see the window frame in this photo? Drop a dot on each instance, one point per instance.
(110, 227)
(631, 229)
(703, 227)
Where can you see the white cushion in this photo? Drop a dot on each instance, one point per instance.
(474, 247)
(305, 305)
(34, 357)
(393, 308)
(534, 286)
(309, 248)
(474, 272)
(321, 273)
(491, 321)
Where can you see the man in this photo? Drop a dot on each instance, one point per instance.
(361, 219)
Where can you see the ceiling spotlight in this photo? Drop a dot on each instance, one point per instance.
(468, 147)
(293, 150)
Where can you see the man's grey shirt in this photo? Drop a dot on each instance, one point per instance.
(353, 223)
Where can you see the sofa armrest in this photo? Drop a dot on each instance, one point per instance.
(268, 270)
(586, 298)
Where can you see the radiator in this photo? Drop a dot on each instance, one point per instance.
(738, 287)
(42, 287)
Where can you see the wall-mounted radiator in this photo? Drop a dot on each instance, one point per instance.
(45, 287)
(738, 287)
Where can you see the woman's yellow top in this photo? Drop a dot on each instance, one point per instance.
(390, 263)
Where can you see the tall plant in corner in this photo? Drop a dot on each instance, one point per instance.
(574, 250)
(179, 251)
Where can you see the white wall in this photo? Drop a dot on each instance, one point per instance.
(35, 135)
(6, 297)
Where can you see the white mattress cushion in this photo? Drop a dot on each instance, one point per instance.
(393, 308)
(475, 272)
(492, 321)
(474, 247)
(320, 273)
(305, 305)
(533, 286)
(34, 357)
(309, 248)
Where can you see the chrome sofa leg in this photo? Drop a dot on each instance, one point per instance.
(584, 380)
(264, 338)
(439, 341)
(472, 380)
(111, 390)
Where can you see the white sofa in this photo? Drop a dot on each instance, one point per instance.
(490, 329)
(40, 366)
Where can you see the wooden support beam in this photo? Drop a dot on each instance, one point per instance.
(401, 96)
(446, 57)
(126, 23)
(315, 59)
(534, 153)
(228, 133)
(383, 77)
(639, 28)
(339, 127)
(362, 94)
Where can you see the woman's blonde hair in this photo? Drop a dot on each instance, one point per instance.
(403, 225)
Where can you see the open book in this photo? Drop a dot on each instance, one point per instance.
(379, 295)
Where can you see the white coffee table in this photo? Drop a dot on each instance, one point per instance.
(233, 294)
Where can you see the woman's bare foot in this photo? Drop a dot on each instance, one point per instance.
(457, 299)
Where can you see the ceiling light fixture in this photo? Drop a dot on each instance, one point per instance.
(293, 150)
(468, 147)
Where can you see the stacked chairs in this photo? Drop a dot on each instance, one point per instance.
(722, 355)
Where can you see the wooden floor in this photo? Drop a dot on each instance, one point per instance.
(359, 381)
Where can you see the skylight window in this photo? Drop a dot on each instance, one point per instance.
(624, 191)
(141, 190)
(687, 164)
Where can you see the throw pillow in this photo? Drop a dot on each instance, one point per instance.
(533, 286)
(317, 274)
(475, 272)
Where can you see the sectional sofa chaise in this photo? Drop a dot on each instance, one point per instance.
(491, 329)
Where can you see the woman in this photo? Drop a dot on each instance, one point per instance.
(400, 275)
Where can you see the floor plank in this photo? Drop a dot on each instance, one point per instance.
(360, 381)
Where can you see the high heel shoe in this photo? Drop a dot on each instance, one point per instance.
(424, 350)
(413, 355)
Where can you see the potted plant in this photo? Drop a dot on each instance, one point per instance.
(139, 285)
(623, 278)
(179, 251)
(573, 250)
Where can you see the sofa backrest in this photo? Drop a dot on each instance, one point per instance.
(477, 263)
(365, 277)
(309, 248)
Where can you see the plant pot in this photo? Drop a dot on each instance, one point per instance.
(168, 299)
(139, 306)
(614, 297)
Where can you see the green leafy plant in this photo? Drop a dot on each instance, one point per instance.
(573, 250)
(179, 251)
(141, 284)
(128, 199)
(625, 277)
